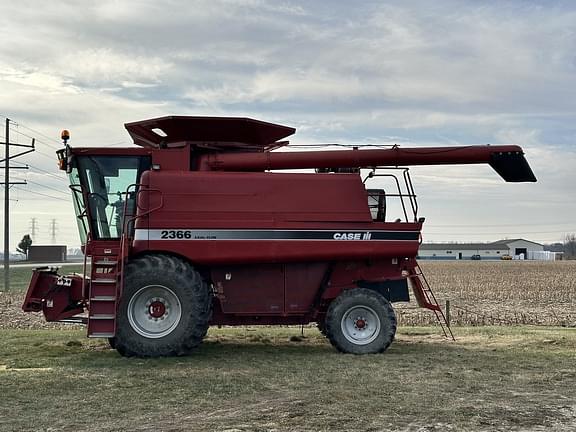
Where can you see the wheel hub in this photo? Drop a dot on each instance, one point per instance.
(360, 323)
(157, 309)
(154, 311)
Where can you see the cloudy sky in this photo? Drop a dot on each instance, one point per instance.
(414, 73)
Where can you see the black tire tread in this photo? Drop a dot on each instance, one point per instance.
(198, 297)
(358, 296)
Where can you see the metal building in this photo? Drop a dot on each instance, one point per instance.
(47, 253)
(512, 248)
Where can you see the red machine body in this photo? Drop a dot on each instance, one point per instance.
(273, 247)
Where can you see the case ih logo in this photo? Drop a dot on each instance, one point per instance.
(353, 236)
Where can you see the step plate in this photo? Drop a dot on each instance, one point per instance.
(101, 335)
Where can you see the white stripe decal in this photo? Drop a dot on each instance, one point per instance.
(274, 235)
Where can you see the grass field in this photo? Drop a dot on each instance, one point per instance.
(496, 378)
(520, 378)
(271, 379)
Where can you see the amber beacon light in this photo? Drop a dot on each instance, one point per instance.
(65, 135)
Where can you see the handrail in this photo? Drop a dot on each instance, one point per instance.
(142, 188)
(84, 265)
(84, 215)
(126, 221)
(410, 194)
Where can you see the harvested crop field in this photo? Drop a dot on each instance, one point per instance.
(500, 292)
(480, 293)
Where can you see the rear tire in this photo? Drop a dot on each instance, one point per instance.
(360, 321)
(165, 308)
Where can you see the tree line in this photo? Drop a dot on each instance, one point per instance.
(567, 246)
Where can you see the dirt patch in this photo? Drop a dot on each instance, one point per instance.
(12, 316)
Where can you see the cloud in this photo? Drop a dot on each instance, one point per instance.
(35, 79)
(103, 66)
(414, 73)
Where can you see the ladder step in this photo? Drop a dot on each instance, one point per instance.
(102, 316)
(103, 298)
(104, 281)
(106, 290)
(103, 295)
(105, 263)
(74, 320)
(101, 335)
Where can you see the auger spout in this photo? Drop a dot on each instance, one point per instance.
(507, 160)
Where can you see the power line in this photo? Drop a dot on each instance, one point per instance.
(54, 176)
(47, 187)
(7, 184)
(51, 157)
(37, 140)
(44, 135)
(18, 124)
(40, 133)
(42, 194)
(61, 177)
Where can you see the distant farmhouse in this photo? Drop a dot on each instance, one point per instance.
(509, 249)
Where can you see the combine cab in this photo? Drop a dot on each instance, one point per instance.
(200, 226)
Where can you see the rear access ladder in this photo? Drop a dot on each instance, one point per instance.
(426, 298)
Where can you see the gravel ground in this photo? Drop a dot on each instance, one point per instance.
(12, 316)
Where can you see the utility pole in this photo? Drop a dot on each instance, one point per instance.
(53, 229)
(7, 210)
(33, 228)
(7, 185)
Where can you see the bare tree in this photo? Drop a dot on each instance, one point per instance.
(24, 245)
(570, 245)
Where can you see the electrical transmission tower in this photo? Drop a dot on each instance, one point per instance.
(33, 228)
(7, 183)
(53, 229)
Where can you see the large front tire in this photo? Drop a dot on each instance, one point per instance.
(165, 308)
(360, 321)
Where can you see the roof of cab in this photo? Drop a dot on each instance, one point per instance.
(218, 133)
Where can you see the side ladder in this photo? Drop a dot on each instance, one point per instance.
(107, 276)
(104, 296)
(426, 298)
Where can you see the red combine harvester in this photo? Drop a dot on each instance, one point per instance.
(195, 227)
